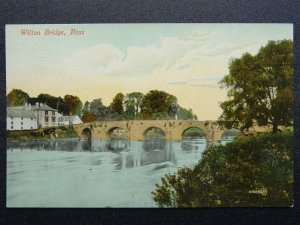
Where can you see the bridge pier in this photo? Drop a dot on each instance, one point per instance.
(135, 129)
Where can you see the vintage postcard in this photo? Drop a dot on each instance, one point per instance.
(149, 115)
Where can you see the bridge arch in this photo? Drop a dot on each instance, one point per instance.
(230, 133)
(117, 132)
(194, 132)
(86, 133)
(187, 127)
(154, 132)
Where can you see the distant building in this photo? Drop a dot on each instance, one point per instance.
(19, 118)
(46, 116)
(69, 120)
(29, 117)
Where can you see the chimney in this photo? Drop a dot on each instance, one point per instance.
(37, 104)
(29, 106)
(41, 105)
(26, 106)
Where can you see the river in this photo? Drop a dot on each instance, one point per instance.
(77, 173)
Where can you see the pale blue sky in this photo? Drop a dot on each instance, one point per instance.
(186, 60)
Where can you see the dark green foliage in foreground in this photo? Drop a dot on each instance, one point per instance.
(249, 172)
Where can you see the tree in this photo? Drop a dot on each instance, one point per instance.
(116, 106)
(157, 105)
(86, 107)
(74, 104)
(186, 114)
(133, 103)
(260, 88)
(52, 101)
(17, 97)
(88, 117)
(255, 171)
(98, 109)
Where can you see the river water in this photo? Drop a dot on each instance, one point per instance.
(77, 173)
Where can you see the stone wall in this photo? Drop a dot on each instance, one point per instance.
(136, 129)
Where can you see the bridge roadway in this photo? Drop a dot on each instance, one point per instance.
(136, 129)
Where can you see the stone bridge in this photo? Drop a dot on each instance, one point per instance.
(136, 129)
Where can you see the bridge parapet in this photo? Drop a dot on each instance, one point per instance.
(135, 129)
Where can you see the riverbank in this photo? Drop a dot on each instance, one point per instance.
(255, 171)
(42, 134)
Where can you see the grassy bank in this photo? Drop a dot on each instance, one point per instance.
(42, 134)
(252, 171)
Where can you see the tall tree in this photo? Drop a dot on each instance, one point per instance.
(116, 106)
(133, 103)
(98, 109)
(157, 105)
(260, 88)
(74, 104)
(17, 97)
(86, 107)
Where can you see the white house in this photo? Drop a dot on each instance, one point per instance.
(19, 118)
(29, 117)
(69, 120)
(46, 116)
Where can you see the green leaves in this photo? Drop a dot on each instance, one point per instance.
(250, 171)
(157, 105)
(260, 88)
(74, 104)
(116, 106)
(17, 97)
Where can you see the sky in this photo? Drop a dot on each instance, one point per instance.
(100, 60)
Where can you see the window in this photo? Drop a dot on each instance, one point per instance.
(12, 127)
(31, 128)
(21, 128)
(21, 118)
(12, 123)
(21, 123)
(46, 112)
(53, 119)
(12, 118)
(46, 119)
(53, 113)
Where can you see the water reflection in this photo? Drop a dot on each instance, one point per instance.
(94, 170)
(192, 143)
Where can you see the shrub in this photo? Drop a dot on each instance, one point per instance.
(251, 171)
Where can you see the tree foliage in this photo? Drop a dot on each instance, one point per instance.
(17, 97)
(116, 106)
(249, 172)
(157, 105)
(88, 117)
(98, 109)
(185, 114)
(260, 88)
(133, 103)
(74, 104)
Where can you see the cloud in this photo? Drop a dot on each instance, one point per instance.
(205, 81)
(104, 59)
(200, 35)
(228, 48)
(170, 53)
(176, 82)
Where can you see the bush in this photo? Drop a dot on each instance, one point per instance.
(248, 172)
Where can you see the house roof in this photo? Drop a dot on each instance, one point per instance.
(20, 112)
(43, 107)
(68, 118)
